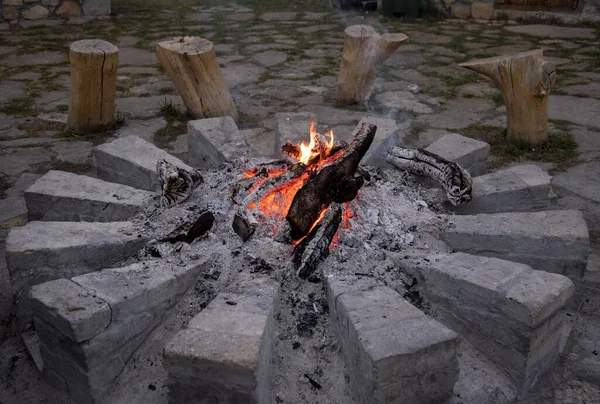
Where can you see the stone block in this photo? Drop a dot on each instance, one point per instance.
(132, 161)
(292, 126)
(482, 11)
(471, 154)
(392, 350)
(69, 9)
(136, 297)
(515, 189)
(213, 141)
(513, 314)
(43, 251)
(590, 294)
(36, 13)
(386, 136)
(96, 8)
(553, 241)
(10, 13)
(62, 196)
(73, 310)
(460, 10)
(225, 354)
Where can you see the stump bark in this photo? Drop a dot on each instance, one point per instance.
(94, 66)
(364, 53)
(525, 80)
(192, 65)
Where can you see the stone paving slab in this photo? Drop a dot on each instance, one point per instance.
(513, 314)
(552, 31)
(392, 350)
(578, 110)
(90, 326)
(62, 196)
(224, 355)
(554, 241)
(516, 189)
(214, 141)
(470, 154)
(132, 161)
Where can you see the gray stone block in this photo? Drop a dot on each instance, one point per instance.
(132, 161)
(392, 350)
(513, 314)
(136, 297)
(74, 311)
(516, 189)
(213, 141)
(292, 126)
(471, 154)
(62, 196)
(225, 354)
(43, 251)
(386, 136)
(96, 7)
(553, 241)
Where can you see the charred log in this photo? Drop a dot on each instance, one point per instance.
(315, 247)
(176, 184)
(455, 180)
(273, 182)
(243, 225)
(335, 182)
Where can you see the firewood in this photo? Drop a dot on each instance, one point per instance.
(365, 51)
(525, 79)
(293, 150)
(192, 65)
(455, 180)
(315, 247)
(273, 183)
(334, 182)
(93, 86)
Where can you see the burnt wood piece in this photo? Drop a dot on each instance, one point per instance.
(273, 182)
(455, 180)
(334, 182)
(243, 225)
(315, 247)
(190, 231)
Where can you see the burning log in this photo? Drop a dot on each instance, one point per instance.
(273, 182)
(525, 79)
(336, 181)
(295, 151)
(315, 247)
(364, 53)
(455, 180)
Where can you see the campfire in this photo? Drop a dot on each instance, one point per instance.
(305, 197)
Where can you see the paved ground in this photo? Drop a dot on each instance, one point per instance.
(284, 62)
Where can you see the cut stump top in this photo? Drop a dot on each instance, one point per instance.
(93, 46)
(514, 56)
(190, 45)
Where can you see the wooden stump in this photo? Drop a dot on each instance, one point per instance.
(192, 65)
(93, 86)
(525, 79)
(364, 53)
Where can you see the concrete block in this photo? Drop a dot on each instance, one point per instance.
(42, 251)
(482, 11)
(62, 196)
(513, 314)
(392, 350)
(292, 126)
(471, 154)
(517, 189)
(73, 310)
(225, 354)
(553, 241)
(590, 294)
(96, 7)
(132, 161)
(214, 141)
(387, 136)
(136, 297)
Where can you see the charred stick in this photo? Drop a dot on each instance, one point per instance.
(315, 247)
(334, 182)
(455, 180)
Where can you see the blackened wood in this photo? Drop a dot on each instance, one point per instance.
(242, 225)
(334, 182)
(190, 231)
(315, 247)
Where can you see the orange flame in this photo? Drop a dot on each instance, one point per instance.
(316, 147)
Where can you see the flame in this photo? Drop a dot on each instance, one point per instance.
(316, 147)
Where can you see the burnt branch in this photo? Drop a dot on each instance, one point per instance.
(335, 182)
(315, 247)
(190, 231)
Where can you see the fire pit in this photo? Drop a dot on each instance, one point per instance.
(307, 279)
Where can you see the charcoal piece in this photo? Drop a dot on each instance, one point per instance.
(190, 231)
(243, 225)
